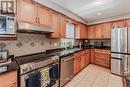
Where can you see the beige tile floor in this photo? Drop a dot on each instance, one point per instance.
(95, 76)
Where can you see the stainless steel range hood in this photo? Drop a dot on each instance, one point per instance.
(32, 28)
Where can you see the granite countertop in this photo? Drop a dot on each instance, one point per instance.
(63, 53)
(9, 67)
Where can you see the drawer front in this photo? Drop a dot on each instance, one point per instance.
(106, 52)
(102, 62)
(105, 56)
(97, 51)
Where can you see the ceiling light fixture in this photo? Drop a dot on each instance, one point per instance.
(99, 2)
(99, 13)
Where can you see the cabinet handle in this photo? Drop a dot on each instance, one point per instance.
(36, 19)
(39, 20)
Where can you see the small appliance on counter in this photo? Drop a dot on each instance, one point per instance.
(98, 44)
(86, 43)
(83, 44)
(4, 56)
(3, 53)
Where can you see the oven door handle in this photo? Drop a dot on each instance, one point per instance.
(26, 77)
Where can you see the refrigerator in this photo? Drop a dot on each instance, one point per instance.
(120, 51)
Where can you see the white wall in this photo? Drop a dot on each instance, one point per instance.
(120, 17)
(54, 6)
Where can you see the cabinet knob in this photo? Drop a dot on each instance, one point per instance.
(36, 19)
(39, 20)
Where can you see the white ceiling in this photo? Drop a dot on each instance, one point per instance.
(93, 10)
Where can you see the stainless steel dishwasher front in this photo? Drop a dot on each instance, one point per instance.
(67, 67)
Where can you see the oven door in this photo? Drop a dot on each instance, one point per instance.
(36, 77)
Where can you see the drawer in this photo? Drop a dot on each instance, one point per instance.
(102, 62)
(97, 50)
(105, 56)
(106, 52)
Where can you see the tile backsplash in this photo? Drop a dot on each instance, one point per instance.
(30, 43)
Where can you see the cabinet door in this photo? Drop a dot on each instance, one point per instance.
(83, 31)
(12, 85)
(77, 31)
(127, 21)
(44, 16)
(8, 79)
(92, 56)
(76, 65)
(55, 25)
(82, 62)
(87, 59)
(98, 31)
(91, 32)
(26, 11)
(62, 26)
(120, 23)
(107, 30)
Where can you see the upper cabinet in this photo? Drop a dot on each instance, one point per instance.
(106, 30)
(91, 32)
(120, 24)
(98, 31)
(62, 26)
(44, 16)
(127, 22)
(26, 11)
(30, 12)
(55, 25)
(81, 31)
(59, 25)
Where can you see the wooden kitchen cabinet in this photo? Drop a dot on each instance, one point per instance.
(80, 31)
(76, 64)
(82, 62)
(92, 56)
(102, 57)
(9, 79)
(87, 57)
(91, 32)
(98, 31)
(106, 30)
(44, 16)
(83, 31)
(127, 23)
(62, 26)
(55, 25)
(120, 23)
(26, 11)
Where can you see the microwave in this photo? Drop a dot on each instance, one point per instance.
(7, 25)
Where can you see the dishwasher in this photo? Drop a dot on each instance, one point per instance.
(66, 68)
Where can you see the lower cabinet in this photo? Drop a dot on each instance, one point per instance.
(8, 79)
(82, 59)
(76, 65)
(92, 60)
(102, 57)
(95, 56)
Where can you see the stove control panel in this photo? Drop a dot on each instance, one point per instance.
(25, 68)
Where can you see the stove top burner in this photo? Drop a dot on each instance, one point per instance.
(33, 58)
